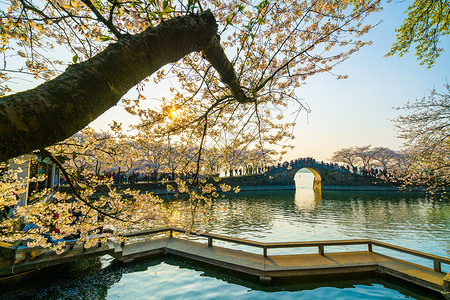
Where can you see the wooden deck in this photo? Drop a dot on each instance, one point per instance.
(262, 265)
(37, 258)
(288, 265)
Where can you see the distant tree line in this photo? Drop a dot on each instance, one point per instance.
(425, 158)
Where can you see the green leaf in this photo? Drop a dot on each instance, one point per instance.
(98, 4)
(229, 20)
(168, 10)
(240, 7)
(105, 38)
(165, 4)
(75, 58)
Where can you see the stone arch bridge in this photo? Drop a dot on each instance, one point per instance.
(325, 175)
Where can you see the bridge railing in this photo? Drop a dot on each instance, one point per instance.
(437, 260)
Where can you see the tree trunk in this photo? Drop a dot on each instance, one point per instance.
(59, 108)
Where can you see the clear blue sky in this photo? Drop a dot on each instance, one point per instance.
(356, 111)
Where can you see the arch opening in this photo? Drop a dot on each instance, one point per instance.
(308, 192)
(307, 178)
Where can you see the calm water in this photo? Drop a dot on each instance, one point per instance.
(410, 220)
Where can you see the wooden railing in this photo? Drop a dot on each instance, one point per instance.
(437, 260)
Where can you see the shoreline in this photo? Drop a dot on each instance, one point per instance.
(160, 189)
(335, 188)
(323, 188)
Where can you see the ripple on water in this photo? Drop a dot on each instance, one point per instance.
(168, 281)
(358, 292)
(412, 222)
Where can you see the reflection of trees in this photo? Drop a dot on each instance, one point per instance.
(85, 279)
(155, 279)
(81, 280)
(396, 218)
(236, 216)
(403, 218)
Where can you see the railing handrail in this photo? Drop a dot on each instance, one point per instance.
(145, 232)
(317, 243)
(412, 252)
(254, 243)
(320, 244)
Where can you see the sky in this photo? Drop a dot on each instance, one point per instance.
(357, 111)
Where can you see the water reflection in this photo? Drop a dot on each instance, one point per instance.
(244, 215)
(413, 221)
(172, 278)
(307, 198)
(86, 279)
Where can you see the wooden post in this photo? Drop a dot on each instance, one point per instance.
(171, 233)
(27, 256)
(446, 291)
(321, 250)
(209, 241)
(122, 244)
(369, 246)
(8, 252)
(437, 266)
(265, 252)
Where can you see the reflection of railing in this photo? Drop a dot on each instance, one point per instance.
(437, 260)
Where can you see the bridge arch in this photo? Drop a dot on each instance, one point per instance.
(317, 181)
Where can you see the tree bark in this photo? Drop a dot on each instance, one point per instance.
(57, 109)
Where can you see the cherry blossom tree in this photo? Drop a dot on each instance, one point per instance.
(386, 158)
(233, 69)
(425, 127)
(117, 44)
(347, 156)
(367, 157)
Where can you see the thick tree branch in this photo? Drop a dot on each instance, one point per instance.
(215, 54)
(57, 109)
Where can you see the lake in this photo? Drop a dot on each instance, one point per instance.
(415, 221)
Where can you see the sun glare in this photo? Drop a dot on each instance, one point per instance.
(173, 114)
